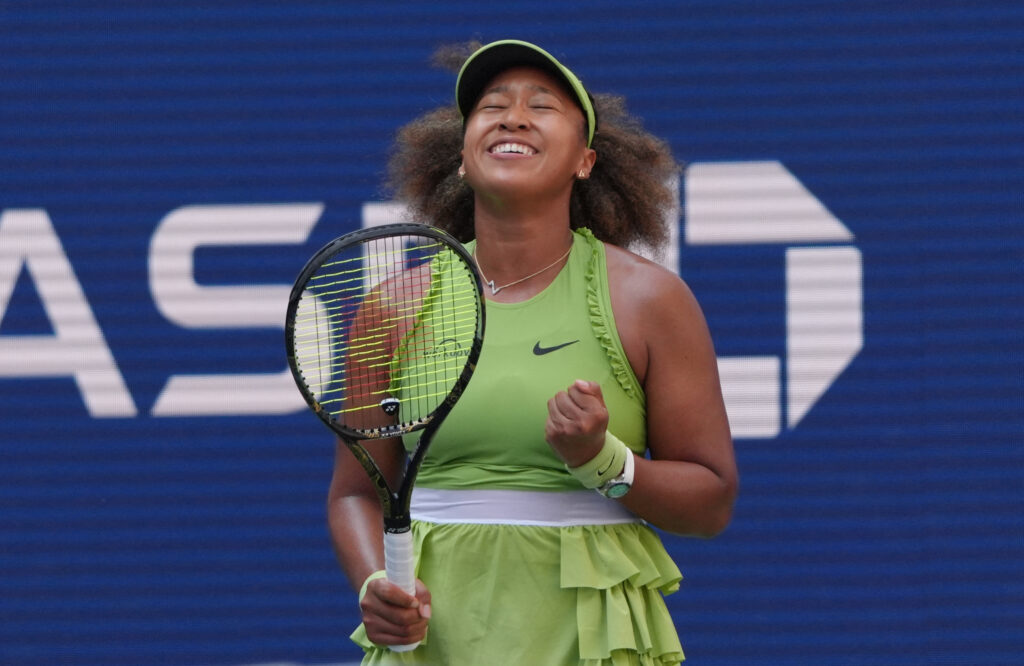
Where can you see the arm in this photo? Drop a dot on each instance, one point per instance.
(690, 483)
(355, 522)
(354, 514)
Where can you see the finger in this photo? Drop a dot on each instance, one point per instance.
(563, 413)
(557, 406)
(389, 602)
(423, 595)
(386, 634)
(584, 410)
(388, 639)
(567, 405)
(393, 617)
(393, 595)
(583, 385)
(587, 395)
(390, 619)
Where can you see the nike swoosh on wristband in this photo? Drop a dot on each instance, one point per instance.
(540, 351)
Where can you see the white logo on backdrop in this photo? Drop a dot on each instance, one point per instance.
(77, 347)
(763, 203)
(190, 305)
(726, 203)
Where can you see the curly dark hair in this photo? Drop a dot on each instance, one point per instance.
(624, 202)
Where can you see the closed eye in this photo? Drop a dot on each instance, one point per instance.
(545, 102)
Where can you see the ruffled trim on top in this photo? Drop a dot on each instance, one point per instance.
(620, 574)
(603, 323)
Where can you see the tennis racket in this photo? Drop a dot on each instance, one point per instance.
(383, 331)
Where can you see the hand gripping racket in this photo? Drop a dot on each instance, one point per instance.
(383, 331)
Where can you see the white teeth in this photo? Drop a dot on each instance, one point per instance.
(513, 148)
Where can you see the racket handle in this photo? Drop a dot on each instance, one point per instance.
(399, 561)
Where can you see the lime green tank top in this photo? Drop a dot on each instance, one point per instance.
(494, 437)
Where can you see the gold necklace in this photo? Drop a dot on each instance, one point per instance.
(495, 290)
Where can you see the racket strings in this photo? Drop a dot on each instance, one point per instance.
(372, 360)
(390, 323)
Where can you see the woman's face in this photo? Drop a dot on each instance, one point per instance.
(525, 134)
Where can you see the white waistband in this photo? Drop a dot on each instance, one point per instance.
(518, 507)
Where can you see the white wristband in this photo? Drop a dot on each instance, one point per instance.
(607, 464)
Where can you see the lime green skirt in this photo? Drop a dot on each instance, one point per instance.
(519, 594)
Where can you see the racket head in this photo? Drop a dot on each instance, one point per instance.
(384, 328)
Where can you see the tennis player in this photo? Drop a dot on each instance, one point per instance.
(595, 411)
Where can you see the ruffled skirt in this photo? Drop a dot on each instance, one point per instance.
(552, 596)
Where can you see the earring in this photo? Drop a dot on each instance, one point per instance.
(462, 171)
(582, 174)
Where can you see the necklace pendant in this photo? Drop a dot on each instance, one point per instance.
(495, 290)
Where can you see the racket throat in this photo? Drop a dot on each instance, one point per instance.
(397, 524)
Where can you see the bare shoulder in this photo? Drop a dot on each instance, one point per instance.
(640, 286)
(656, 314)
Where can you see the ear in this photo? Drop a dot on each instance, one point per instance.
(587, 161)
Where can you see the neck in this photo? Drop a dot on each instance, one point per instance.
(518, 235)
(508, 250)
(518, 226)
(511, 251)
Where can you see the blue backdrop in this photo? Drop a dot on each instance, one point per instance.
(851, 220)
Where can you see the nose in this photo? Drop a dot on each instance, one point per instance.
(515, 117)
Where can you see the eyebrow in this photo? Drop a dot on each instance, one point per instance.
(531, 86)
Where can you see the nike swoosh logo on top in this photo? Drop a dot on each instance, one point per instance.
(540, 351)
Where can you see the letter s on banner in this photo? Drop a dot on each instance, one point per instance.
(181, 300)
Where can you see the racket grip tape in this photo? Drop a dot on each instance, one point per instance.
(399, 564)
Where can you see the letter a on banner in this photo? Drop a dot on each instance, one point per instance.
(77, 347)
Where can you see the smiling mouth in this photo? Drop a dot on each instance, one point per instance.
(512, 149)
